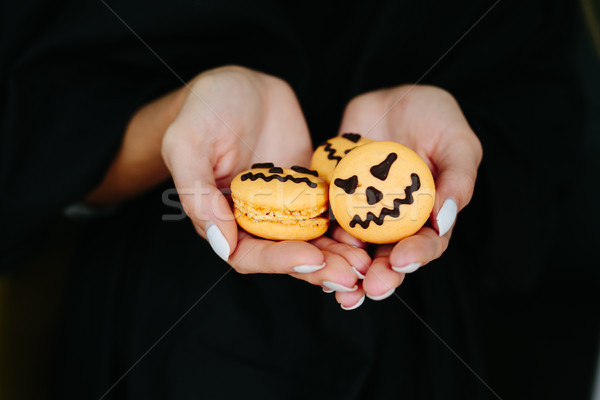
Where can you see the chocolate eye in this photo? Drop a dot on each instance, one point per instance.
(380, 171)
(263, 165)
(347, 185)
(374, 196)
(303, 170)
(353, 137)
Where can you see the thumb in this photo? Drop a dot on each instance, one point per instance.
(202, 201)
(456, 163)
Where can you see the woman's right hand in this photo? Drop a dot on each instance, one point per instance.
(234, 117)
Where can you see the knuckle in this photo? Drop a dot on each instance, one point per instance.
(187, 203)
(238, 267)
(429, 91)
(445, 244)
(438, 249)
(476, 148)
(240, 270)
(436, 244)
(370, 99)
(461, 183)
(226, 73)
(442, 247)
(170, 140)
(468, 183)
(280, 83)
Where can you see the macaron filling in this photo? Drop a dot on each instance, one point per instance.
(281, 216)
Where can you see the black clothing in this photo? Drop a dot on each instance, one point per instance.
(74, 74)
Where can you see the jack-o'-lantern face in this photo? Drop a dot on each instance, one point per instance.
(382, 192)
(280, 203)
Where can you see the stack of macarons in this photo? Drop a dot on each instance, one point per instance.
(280, 203)
(379, 192)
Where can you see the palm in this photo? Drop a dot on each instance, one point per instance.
(420, 117)
(233, 118)
(252, 118)
(429, 121)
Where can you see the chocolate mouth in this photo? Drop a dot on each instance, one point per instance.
(353, 137)
(391, 212)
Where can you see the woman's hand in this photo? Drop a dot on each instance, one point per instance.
(234, 117)
(429, 121)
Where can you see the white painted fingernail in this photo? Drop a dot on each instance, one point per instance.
(218, 242)
(382, 296)
(358, 273)
(328, 290)
(307, 269)
(338, 288)
(446, 216)
(407, 269)
(358, 304)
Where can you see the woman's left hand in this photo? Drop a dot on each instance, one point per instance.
(428, 120)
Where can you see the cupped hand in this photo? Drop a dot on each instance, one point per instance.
(234, 117)
(428, 120)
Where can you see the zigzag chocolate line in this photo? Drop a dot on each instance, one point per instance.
(260, 175)
(331, 152)
(392, 212)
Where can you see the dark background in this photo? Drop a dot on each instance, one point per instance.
(30, 295)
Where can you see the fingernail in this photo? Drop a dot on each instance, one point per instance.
(328, 290)
(446, 216)
(407, 269)
(218, 242)
(358, 273)
(307, 269)
(382, 296)
(358, 304)
(338, 288)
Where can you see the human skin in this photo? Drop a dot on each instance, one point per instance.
(226, 119)
(219, 124)
(428, 120)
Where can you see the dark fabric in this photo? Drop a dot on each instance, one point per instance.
(501, 297)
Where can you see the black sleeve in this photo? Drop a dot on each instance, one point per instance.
(524, 100)
(71, 80)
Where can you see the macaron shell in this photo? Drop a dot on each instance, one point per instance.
(261, 188)
(326, 157)
(382, 175)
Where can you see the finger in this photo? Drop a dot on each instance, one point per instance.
(351, 300)
(254, 255)
(357, 258)
(340, 235)
(337, 274)
(456, 160)
(358, 115)
(203, 202)
(381, 281)
(415, 251)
